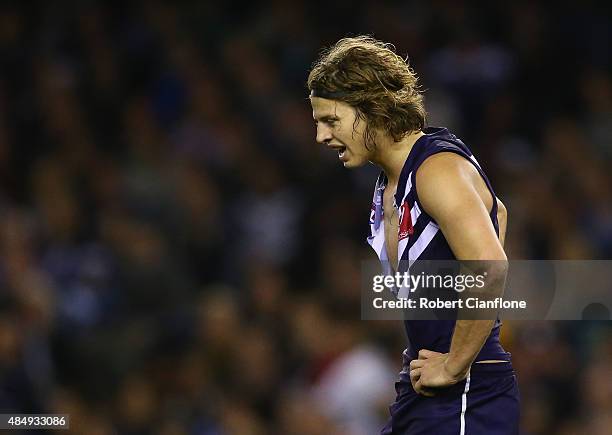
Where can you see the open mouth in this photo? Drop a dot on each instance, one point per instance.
(341, 151)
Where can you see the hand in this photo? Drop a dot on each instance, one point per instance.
(429, 372)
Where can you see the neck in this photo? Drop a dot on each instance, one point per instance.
(391, 155)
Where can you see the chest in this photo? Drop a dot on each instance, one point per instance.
(391, 217)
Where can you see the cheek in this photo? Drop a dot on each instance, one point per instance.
(351, 137)
(359, 145)
(357, 140)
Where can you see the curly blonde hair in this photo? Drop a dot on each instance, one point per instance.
(368, 75)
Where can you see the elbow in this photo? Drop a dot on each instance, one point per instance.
(496, 272)
(493, 266)
(496, 263)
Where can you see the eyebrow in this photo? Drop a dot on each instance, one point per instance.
(327, 118)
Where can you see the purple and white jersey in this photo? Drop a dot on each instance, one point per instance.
(420, 238)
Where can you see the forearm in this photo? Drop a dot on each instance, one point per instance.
(473, 328)
(468, 339)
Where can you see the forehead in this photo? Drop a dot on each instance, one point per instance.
(322, 107)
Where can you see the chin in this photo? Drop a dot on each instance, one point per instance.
(354, 163)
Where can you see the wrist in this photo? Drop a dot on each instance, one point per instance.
(455, 369)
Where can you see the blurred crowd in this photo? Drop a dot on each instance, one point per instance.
(178, 256)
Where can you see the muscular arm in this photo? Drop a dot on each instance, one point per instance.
(452, 191)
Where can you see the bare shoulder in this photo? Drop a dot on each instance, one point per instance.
(444, 165)
(446, 177)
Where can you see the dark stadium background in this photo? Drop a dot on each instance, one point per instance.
(178, 256)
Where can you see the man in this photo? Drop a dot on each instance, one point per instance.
(367, 106)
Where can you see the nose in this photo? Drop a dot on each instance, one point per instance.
(323, 133)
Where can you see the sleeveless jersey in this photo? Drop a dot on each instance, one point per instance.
(420, 238)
